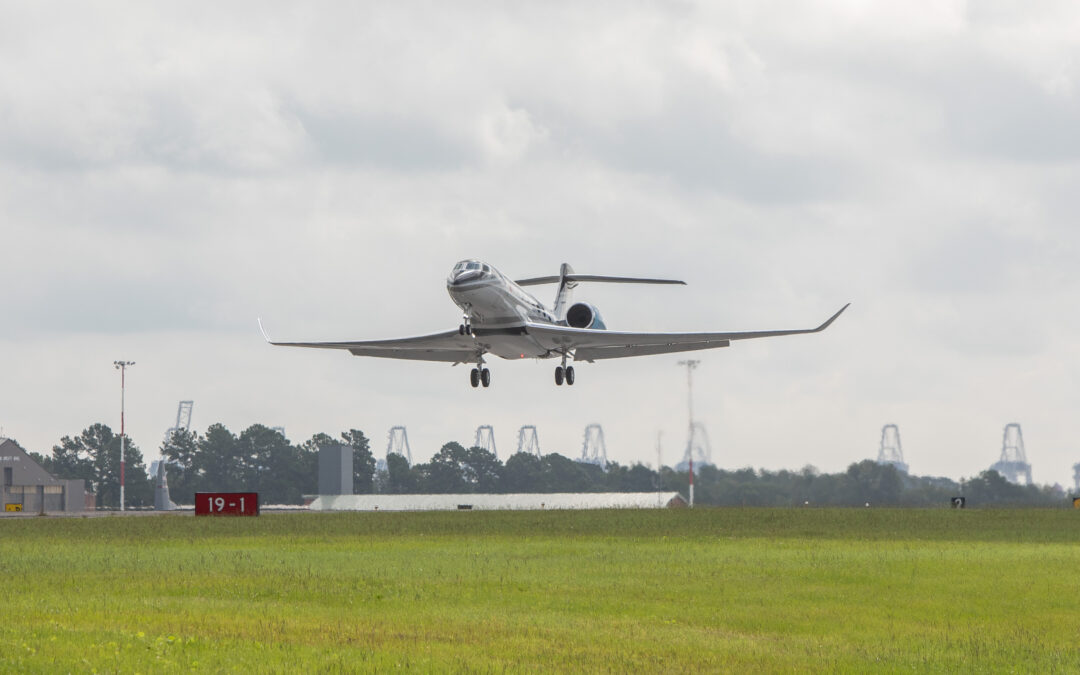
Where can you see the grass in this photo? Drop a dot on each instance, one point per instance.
(674, 591)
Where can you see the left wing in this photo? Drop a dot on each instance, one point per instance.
(449, 347)
(591, 345)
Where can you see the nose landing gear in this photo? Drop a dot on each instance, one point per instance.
(466, 326)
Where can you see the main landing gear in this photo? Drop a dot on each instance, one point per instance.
(480, 374)
(564, 373)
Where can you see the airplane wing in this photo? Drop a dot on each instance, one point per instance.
(592, 345)
(449, 347)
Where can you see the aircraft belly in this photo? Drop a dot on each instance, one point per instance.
(515, 347)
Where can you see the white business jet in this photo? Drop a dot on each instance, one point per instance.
(500, 318)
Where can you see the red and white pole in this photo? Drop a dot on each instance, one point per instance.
(123, 439)
(691, 482)
(122, 365)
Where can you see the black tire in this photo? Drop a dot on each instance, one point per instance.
(558, 376)
(461, 329)
(474, 378)
(485, 377)
(569, 375)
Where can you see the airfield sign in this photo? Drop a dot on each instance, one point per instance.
(226, 503)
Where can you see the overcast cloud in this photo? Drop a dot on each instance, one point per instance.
(167, 175)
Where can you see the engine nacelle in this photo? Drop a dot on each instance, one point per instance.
(584, 315)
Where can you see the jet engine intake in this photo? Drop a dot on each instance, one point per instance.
(584, 315)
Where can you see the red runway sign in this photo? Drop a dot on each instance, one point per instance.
(226, 503)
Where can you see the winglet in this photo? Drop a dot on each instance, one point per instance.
(831, 319)
(267, 337)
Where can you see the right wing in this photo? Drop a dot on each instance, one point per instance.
(449, 347)
(591, 345)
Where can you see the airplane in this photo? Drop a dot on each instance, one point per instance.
(501, 318)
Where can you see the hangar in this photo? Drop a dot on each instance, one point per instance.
(27, 487)
(487, 502)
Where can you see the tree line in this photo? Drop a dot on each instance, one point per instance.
(262, 460)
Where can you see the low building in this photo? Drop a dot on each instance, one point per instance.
(26, 486)
(488, 502)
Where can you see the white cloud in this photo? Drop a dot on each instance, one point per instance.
(167, 175)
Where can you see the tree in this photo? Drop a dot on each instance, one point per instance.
(363, 461)
(444, 474)
(523, 473)
(400, 478)
(217, 462)
(94, 456)
(280, 472)
(873, 483)
(482, 470)
(180, 451)
(565, 475)
(455, 469)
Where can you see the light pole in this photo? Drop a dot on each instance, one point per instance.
(690, 364)
(122, 367)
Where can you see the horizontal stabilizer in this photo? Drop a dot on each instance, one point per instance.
(536, 281)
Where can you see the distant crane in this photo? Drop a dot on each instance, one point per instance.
(162, 500)
(183, 419)
(594, 449)
(1076, 478)
(890, 451)
(1013, 464)
(398, 443)
(528, 442)
(485, 438)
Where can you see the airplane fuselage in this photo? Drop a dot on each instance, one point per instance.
(488, 297)
(492, 304)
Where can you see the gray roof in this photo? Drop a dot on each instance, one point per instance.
(26, 470)
(561, 500)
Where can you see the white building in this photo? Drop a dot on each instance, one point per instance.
(514, 502)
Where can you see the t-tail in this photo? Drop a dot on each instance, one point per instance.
(568, 281)
(565, 293)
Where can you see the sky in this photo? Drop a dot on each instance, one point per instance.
(168, 174)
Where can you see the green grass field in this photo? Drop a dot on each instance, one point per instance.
(673, 591)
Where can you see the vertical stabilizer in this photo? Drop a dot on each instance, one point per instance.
(565, 293)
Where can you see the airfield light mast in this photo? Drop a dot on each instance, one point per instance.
(690, 364)
(122, 367)
(659, 469)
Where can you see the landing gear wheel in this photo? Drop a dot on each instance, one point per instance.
(485, 377)
(461, 329)
(569, 375)
(474, 377)
(558, 376)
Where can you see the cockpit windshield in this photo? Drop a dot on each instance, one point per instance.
(470, 269)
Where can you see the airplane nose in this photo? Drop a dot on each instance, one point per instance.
(463, 276)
